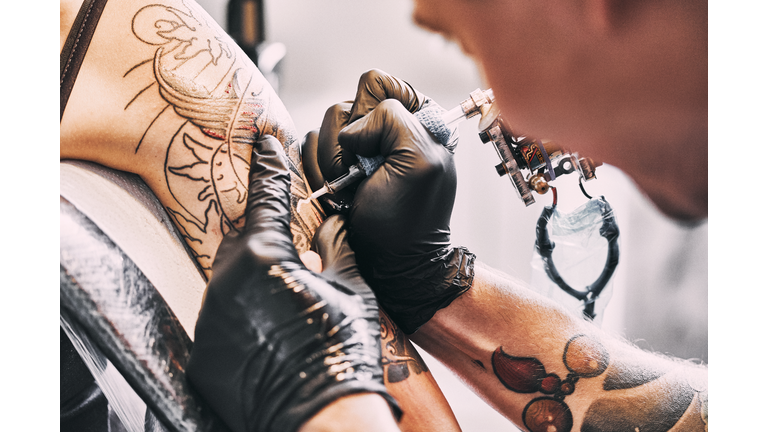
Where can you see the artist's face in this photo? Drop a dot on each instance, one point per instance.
(561, 72)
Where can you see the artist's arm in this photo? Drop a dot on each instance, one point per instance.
(543, 368)
(165, 93)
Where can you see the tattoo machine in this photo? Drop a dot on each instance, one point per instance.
(442, 124)
(575, 232)
(544, 160)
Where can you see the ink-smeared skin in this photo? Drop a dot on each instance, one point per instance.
(625, 375)
(221, 106)
(632, 412)
(399, 356)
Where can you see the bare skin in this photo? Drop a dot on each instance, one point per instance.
(164, 93)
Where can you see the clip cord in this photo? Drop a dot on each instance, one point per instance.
(584, 191)
(544, 246)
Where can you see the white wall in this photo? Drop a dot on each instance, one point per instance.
(660, 287)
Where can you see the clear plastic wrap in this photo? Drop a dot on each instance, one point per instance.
(112, 311)
(577, 250)
(128, 406)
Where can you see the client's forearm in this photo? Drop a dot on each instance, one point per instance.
(409, 380)
(548, 370)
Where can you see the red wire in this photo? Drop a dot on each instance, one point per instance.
(554, 196)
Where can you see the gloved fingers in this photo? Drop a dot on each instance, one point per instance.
(391, 131)
(268, 212)
(229, 247)
(411, 196)
(331, 158)
(331, 242)
(375, 86)
(309, 149)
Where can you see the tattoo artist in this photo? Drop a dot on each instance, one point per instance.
(540, 366)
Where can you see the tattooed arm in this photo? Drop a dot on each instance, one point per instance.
(409, 380)
(547, 370)
(164, 93)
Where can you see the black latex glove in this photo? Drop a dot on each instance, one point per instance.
(331, 242)
(275, 342)
(400, 215)
(374, 86)
(330, 161)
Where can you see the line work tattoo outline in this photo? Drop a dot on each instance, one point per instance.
(227, 106)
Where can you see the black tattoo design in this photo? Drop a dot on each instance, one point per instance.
(219, 102)
(634, 410)
(623, 375)
(400, 357)
(639, 412)
(479, 364)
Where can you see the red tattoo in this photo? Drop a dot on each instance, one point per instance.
(583, 356)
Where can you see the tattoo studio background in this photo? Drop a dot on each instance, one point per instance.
(660, 286)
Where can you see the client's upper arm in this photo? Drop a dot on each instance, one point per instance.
(163, 92)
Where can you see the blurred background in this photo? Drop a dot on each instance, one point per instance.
(659, 291)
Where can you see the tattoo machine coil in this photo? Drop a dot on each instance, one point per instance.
(544, 161)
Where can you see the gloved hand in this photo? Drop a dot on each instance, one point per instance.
(400, 215)
(330, 161)
(274, 342)
(374, 86)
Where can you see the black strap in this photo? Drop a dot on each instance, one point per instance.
(609, 230)
(75, 47)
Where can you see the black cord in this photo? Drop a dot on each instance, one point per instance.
(609, 230)
(584, 191)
